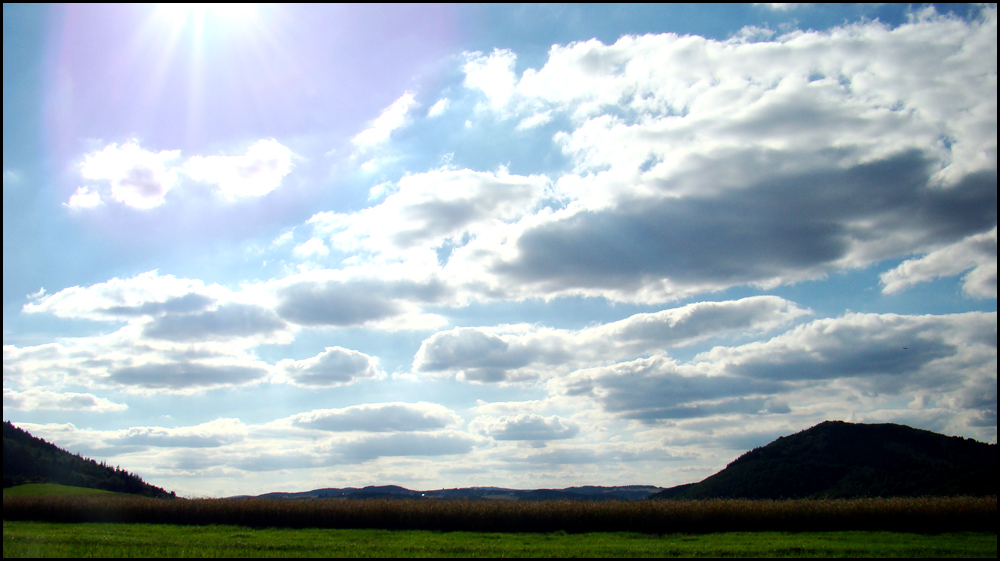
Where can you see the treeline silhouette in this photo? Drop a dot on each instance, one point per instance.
(846, 460)
(27, 459)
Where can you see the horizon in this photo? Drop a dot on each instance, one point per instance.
(273, 248)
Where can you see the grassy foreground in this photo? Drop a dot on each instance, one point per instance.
(50, 490)
(37, 539)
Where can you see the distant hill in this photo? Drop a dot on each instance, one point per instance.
(845, 460)
(622, 493)
(27, 459)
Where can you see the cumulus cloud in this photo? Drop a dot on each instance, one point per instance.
(944, 358)
(335, 366)
(127, 361)
(977, 252)
(408, 444)
(701, 165)
(41, 400)
(525, 427)
(523, 352)
(311, 248)
(185, 375)
(322, 300)
(213, 434)
(84, 198)
(145, 294)
(439, 108)
(430, 208)
(393, 117)
(226, 321)
(493, 75)
(139, 178)
(255, 173)
(380, 417)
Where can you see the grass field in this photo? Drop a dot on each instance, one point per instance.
(50, 490)
(36, 539)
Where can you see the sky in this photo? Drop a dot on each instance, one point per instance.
(254, 248)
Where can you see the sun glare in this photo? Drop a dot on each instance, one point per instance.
(178, 14)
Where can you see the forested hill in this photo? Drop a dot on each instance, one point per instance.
(844, 460)
(27, 459)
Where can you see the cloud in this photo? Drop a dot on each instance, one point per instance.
(439, 108)
(404, 444)
(214, 434)
(493, 75)
(335, 366)
(146, 294)
(525, 427)
(342, 302)
(393, 117)
(430, 208)
(523, 352)
(311, 248)
(255, 173)
(700, 165)
(138, 178)
(185, 375)
(40, 400)
(657, 388)
(977, 252)
(823, 363)
(381, 417)
(779, 231)
(84, 198)
(226, 321)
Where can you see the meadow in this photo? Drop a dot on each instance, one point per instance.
(36, 539)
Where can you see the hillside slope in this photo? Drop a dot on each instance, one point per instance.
(843, 460)
(27, 459)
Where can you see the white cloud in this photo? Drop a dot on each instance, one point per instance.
(41, 400)
(534, 121)
(84, 198)
(978, 252)
(255, 173)
(335, 366)
(856, 364)
(311, 248)
(392, 118)
(525, 427)
(524, 352)
(439, 108)
(146, 294)
(493, 75)
(429, 208)
(379, 417)
(702, 165)
(138, 178)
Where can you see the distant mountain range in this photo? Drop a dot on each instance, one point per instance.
(830, 460)
(844, 460)
(589, 493)
(27, 459)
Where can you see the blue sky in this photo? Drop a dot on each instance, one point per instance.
(288, 247)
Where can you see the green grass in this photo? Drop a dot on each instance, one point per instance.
(49, 490)
(38, 539)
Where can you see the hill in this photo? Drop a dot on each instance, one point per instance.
(845, 460)
(50, 490)
(27, 459)
(621, 493)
